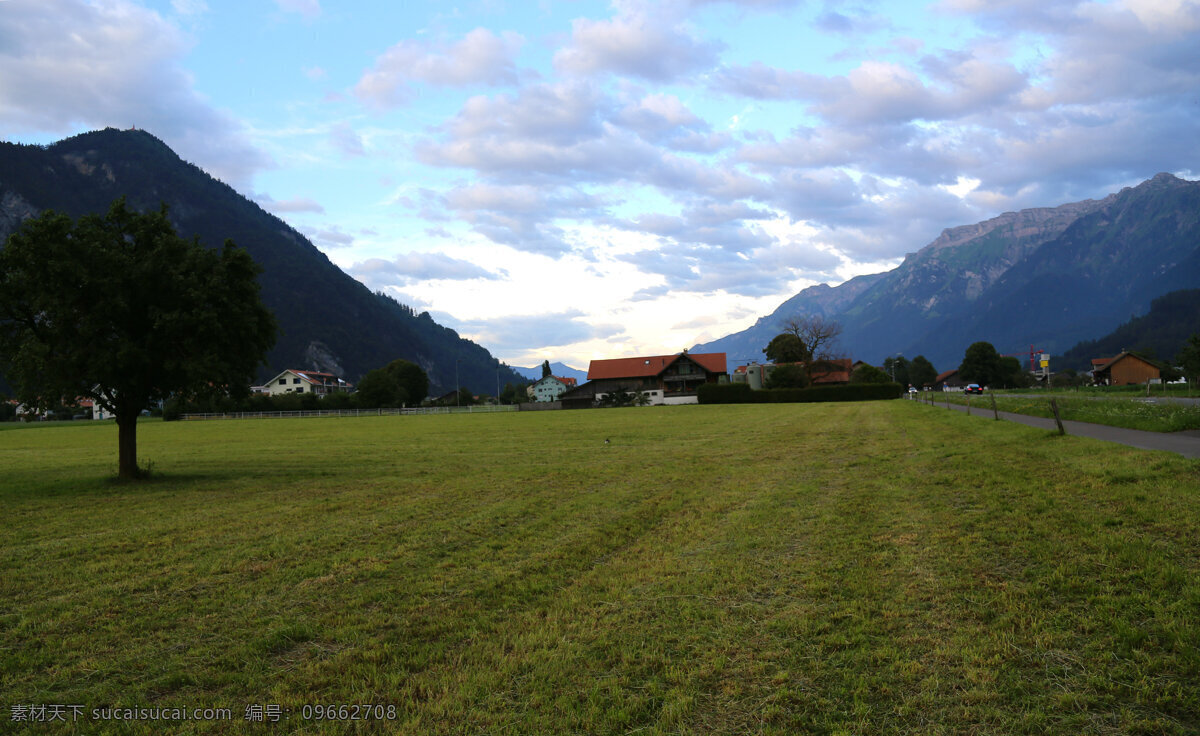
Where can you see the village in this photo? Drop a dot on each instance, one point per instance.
(653, 380)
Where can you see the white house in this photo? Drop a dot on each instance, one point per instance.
(306, 382)
(550, 388)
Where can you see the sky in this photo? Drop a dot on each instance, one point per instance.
(570, 180)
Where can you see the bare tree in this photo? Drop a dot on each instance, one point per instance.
(819, 335)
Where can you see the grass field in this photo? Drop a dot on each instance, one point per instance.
(1114, 410)
(872, 568)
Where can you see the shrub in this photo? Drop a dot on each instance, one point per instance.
(740, 393)
(726, 393)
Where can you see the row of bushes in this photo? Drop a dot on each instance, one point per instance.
(741, 393)
(173, 408)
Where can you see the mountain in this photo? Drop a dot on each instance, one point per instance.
(561, 370)
(1160, 333)
(1047, 277)
(328, 320)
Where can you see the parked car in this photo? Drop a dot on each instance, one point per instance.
(973, 388)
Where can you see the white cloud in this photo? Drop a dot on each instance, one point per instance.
(410, 268)
(329, 237)
(481, 58)
(516, 333)
(308, 8)
(295, 204)
(641, 44)
(345, 140)
(70, 63)
(190, 7)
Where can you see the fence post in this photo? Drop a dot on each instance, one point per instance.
(1057, 420)
(995, 413)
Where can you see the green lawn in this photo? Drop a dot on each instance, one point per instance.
(871, 568)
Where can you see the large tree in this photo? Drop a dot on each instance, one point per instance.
(982, 364)
(399, 383)
(921, 372)
(1188, 358)
(119, 309)
(786, 348)
(817, 334)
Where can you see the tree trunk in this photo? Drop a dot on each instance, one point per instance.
(127, 467)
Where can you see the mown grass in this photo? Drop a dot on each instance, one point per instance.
(1113, 411)
(873, 568)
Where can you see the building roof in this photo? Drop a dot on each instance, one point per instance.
(1103, 364)
(945, 375)
(568, 382)
(319, 378)
(831, 371)
(652, 365)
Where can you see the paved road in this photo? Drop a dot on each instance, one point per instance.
(1184, 443)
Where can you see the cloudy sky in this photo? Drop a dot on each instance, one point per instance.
(573, 180)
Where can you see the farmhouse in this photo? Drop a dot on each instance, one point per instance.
(549, 388)
(949, 381)
(1123, 370)
(306, 382)
(664, 379)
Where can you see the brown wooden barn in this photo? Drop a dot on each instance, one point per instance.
(1123, 370)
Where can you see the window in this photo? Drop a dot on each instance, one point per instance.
(283, 382)
(295, 380)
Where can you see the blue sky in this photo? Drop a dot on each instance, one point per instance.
(577, 180)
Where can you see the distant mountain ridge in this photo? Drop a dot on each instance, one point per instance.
(1049, 277)
(329, 320)
(562, 370)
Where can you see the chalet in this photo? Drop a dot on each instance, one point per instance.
(549, 388)
(665, 379)
(307, 382)
(1123, 370)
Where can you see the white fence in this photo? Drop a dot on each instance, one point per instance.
(351, 412)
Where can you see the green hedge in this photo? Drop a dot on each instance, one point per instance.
(740, 393)
(725, 393)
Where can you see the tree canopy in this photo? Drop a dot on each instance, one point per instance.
(120, 309)
(981, 364)
(817, 335)
(921, 372)
(399, 383)
(789, 375)
(786, 348)
(1189, 357)
(869, 374)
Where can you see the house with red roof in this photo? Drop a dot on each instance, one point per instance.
(294, 381)
(549, 388)
(949, 381)
(663, 379)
